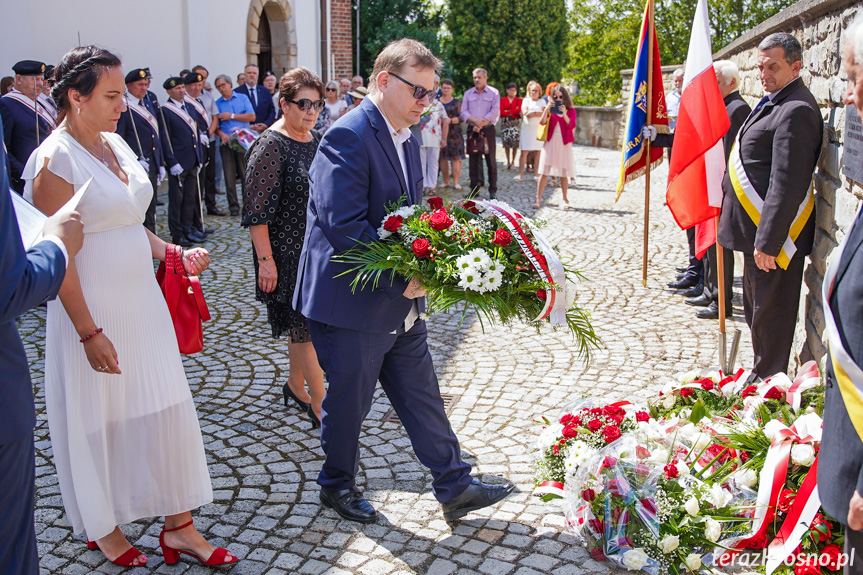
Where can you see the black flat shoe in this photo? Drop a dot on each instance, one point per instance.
(350, 504)
(700, 301)
(287, 393)
(712, 312)
(694, 292)
(476, 496)
(684, 283)
(316, 423)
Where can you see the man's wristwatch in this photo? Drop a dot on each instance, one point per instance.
(232, 115)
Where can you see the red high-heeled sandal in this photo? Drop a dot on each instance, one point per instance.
(173, 555)
(124, 560)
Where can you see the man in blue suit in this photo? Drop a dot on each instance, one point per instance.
(367, 160)
(26, 280)
(262, 100)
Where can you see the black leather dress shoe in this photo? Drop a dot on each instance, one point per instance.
(700, 301)
(682, 269)
(182, 241)
(684, 283)
(207, 231)
(235, 211)
(476, 496)
(216, 212)
(350, 504)
(712, 311)
(193, 235)
(694, 291)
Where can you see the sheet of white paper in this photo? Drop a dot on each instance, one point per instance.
(31, 220)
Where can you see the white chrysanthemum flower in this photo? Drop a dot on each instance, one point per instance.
(479, 258)
(464, 262)
(495, 266)
(493, 280)
(470, 279)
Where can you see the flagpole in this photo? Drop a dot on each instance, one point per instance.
(647, 142)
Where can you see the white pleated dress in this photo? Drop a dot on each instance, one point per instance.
(125, 446)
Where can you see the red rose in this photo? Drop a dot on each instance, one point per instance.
(588, 495)
(642, 416)
(436, 202)
(598, 525)
(807, 568)
(618, 419)
(597, 411)
(597, 554)
(750, 390)
(833, 553)
(774, 393)
(440, 220)
(502, 237)
(470, 206)
(421, 248)
(744, 456)
(393, 223)
(671, 471)
(822, 529)
(786, 499)
(541, 294)
(594, 425)
(608, 462)
(576, 420)
(555, 450)
(611, 433)
(641, 452)
(649, 505)
(613, 410)
(686, 392)
(570, 432)
(566, 419)
(759, 542)
(706, 384)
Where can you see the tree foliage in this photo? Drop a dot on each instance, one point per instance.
(382, 21)
(515, 40)
(605, 36)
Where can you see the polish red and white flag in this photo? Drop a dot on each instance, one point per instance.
(697, 165)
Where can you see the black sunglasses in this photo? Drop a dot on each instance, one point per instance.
(304, 104)
(331, 89)
(419, 91)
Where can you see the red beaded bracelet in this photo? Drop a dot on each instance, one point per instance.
(88, 336)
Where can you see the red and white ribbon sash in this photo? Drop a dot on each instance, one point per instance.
(807, 378)
(49, 107)
(182, 114)
(550, 487)
(200, 108)
(133, 105)
(14, 94)
(546, 262)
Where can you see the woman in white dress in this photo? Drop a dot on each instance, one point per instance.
(531, 111)
(125, 438)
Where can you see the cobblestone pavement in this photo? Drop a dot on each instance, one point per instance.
(264, 459)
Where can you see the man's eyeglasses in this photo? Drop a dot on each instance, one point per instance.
(419, 91)
(304, 104)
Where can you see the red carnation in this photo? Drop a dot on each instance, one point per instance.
(833, 553)
(436, 202)
(541, 294)
(440, 220)
(707, 384)
(597, 555)
(566, 419)
(421, 248)
(570, 432)
(594, 425)
(502, 237)
(671, 471)
(786, 499)
(774, 393)
(393, 223)
(686, 392)
(611, 433)
(588, 495)
(642, 416)
(750, 390)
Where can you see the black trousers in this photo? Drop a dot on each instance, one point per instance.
(770, 301)
(233, 166)
(475, 163)
(695, 270)
(150, 215)
(209, 177)
(853, 541)
(182, 202)
(711, 267)
(18, 553)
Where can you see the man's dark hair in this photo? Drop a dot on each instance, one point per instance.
(792, 51)
(198, 68)
(185, 71)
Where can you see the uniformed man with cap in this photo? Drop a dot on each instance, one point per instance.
(207, 182)
(25, 123)
(139, 125)
(183, 137)
(45, 99)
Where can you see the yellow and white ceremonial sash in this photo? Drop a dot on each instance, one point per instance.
(183, 115)
(200, 108)
(142, 111)
(848, 374)
(753, 204)
(26, 101)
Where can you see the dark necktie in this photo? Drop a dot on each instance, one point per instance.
(759, 105)
(253, 90)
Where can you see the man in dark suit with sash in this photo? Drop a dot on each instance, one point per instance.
(367, 160)
(840, 465)
(26, 122)
(139, 126)
(27, 278)
(768, 210)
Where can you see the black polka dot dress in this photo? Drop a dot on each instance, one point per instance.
(276, 194)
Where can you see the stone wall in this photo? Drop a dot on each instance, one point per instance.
(820, 27)
(598, 126)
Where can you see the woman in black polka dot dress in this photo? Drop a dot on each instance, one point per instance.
(276, 196)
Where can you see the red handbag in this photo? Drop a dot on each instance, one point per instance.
(185, 300)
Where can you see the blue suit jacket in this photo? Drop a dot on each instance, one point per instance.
(150, 142)
(19, 134)
(265, 111)
(185, 144)
(353, 177)
(26, 280)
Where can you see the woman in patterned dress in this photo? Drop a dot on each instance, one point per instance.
(510, 123)
(452, 155)
(277, 193)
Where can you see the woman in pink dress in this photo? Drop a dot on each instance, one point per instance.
(556, 158)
